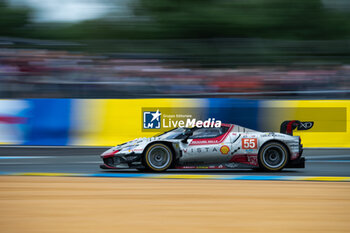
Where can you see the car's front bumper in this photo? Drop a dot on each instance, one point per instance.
(122, 161)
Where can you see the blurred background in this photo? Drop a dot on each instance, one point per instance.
(75, 76)
(161, 48)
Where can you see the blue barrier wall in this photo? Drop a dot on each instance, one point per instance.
(240, 112)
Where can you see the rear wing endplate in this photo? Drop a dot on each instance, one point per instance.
(287, 127)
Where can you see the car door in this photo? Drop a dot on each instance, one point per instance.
(207, 146)
(235, 143)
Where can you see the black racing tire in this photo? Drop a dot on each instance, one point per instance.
(158, 157)
(273, 156)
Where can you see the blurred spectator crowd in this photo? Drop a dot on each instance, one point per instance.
(39, 73)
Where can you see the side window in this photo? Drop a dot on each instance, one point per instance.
(208, 132)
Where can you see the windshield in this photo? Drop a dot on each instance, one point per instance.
(172, 134)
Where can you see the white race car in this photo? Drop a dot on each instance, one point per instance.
(228, 146)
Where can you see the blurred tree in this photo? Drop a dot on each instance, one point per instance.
(297, 19)
(12, 20)
(215, 31)
(181, 19)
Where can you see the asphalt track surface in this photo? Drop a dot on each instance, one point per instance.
(319, 162)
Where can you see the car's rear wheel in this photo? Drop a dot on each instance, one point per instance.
(273, 156)
(158, 157)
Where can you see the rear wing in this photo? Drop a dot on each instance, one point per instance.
(287, 127)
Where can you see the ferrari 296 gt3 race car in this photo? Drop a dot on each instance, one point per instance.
(228, 146)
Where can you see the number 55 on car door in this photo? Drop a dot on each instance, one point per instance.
(249, 143)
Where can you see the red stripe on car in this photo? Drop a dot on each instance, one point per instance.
(110, 154)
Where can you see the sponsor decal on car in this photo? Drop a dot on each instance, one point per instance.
(305, 125)
(203, 142)
(249, 143)
(200, 150)
(269, 134)
(253, 160)
(224, 150)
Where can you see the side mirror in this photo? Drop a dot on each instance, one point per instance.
(188, 133)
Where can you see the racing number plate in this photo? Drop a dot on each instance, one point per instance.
(249, 143)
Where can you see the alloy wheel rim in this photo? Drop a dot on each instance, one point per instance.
(274, 156)
(159, 157)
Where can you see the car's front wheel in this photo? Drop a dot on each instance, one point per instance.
(273, 156)
(158, 157)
